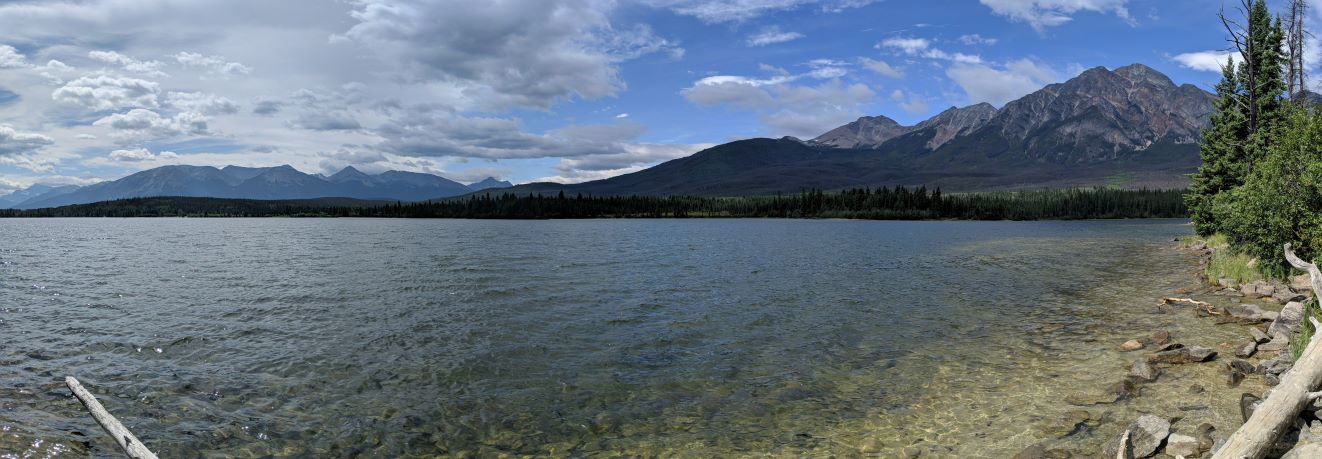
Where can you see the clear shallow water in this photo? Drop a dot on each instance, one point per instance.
(700, 338)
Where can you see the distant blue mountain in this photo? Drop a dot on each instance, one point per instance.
(38, 191)
(282, 182)
(489, 183)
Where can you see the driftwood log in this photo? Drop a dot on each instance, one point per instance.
(1278, 412)
(125, 439)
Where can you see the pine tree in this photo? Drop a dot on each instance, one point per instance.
(1223, 152)
(1250, 105)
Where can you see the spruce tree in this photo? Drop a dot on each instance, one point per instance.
(1250, 105)
(1222, 150)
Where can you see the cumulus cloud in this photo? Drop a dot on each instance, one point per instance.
(436, 132)
(912, 103)
(217, 65)
(772, 35)
(522, 53)
(975, 39)
(923, 47)
(105, 92)
(881, 68)
(266, 107)
(631, 158)
(10, 58)
(149, 68)
(784, 109)
(1207, 61)
(718, 11)
(140, 154)
(335, 120)
(18, 148)
(204, 103)
(14, 142)
(142, 124)
(1001, 84)
(1041, 14)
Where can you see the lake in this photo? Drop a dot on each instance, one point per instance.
(689, 338)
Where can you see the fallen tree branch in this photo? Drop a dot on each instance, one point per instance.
(125, 439)
(1280, 410)
(1192, 301)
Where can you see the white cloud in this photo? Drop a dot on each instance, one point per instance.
(975, 39)
(913, 103)
(334, 120)
(784, 109)
(772, 35)
(923, 47)
(1207, 61)
(718, 11)
(212, 64)
(14, 142)
(10, 58)
(430, 131)
(1050, 13)
(204, 103)
(632, 158)
(105, 92)
(881, 68)
(998, 85)
(910, 46)
(497, 55)
(22, 149)
(140, 154)
(149, 68)
(142, 124)
(622, 116)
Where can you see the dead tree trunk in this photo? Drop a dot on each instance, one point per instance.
(1278, 412)
(125, 439)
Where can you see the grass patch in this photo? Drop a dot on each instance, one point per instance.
(1238, 267)
(1306, 330)
(1226, 263)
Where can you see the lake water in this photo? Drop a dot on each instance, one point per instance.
(689, 338)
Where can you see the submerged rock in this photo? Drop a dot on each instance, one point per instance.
(1278, 343)
(1145, 435)
(1122, 390)
(1204, 435)
(1247, 404)
(1131, 345)
(1275, 366)
(1247, 349)
(1248, 313)
(1242, 366)
(1182, 445)
(1159, 338)
(1192, 354)
(1258, 335)
(1142, 371)
(1068, 424)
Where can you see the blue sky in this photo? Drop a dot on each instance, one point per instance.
(528, 90)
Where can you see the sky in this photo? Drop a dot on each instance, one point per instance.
(530, 90)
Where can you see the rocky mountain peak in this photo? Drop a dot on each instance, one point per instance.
(956, 121)
(865, 132)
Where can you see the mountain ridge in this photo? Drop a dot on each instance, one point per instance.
(237, 182)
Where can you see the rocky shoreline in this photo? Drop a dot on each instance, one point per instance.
(1270, 313)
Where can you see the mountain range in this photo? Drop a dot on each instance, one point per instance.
(1129, 127)
(282, 182)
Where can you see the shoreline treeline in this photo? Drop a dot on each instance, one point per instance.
(898, 203)
(1260, 184)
